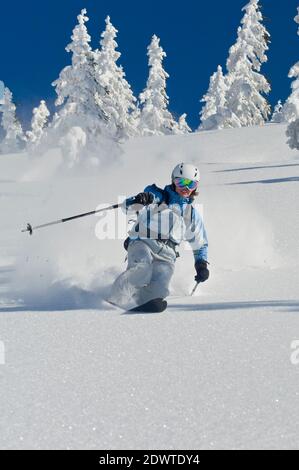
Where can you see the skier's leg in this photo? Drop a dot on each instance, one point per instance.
(158, 287)
(138, 274)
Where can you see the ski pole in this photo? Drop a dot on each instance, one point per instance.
(30, 229)
(194, 289)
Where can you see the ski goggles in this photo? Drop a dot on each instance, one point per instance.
(184, 183)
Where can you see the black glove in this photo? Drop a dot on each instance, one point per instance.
(202, 272)
(144, 199)
(126, 243)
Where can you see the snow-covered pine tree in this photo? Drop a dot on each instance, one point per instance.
(77, 86)
(2, 88)
(215, 97)
(81, 126)
(118, 103)
(155, 119)
(278, 113)
(14, 137)
(215, 114)
(38, 123)
(183, 126)
(246, 84)
(292, 104)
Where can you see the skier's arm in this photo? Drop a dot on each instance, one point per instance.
(197, 237)
(150, 195)
(199, 243)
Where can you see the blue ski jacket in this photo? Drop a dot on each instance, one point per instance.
(170, 217)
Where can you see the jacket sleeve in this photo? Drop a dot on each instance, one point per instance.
(197, 236)
(129, 204)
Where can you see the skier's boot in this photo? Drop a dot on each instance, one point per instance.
(155, 305)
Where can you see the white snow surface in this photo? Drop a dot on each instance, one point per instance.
(211, 372)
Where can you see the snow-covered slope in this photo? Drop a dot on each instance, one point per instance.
(214, 370)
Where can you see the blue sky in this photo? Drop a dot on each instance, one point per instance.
(195, 34)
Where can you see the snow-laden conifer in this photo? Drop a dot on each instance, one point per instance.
(215, 98)
(38, 124)
(183, 126)
(292, 104)
(13, 133)
(76, 86)
(215, 114)
(81, 100)
(247, 86)
(155, 119)
(118, 103)
(278, 115)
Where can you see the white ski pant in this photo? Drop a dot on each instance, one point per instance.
(148, 274)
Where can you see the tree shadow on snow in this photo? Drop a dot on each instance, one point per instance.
(255, 168)
(271, 181)
(281, 305)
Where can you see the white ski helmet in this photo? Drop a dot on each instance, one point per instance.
(186, 170)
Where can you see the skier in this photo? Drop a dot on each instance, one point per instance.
(165, 217)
